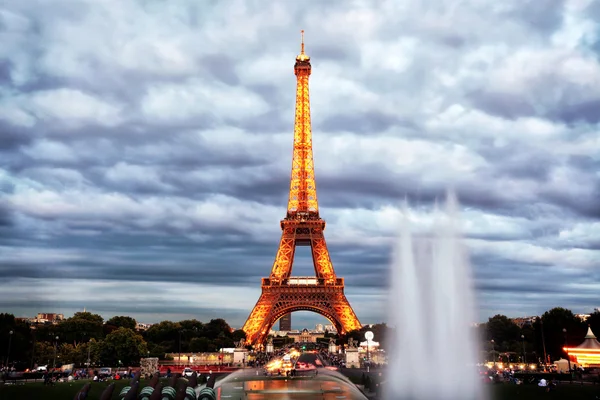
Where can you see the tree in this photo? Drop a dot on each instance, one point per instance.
(123, 346)
(216, 327)
(594, 322)
(504, 332)
(44, 353)
(163, 331)
(238, 334)
(81, 327)
(67, 354)
(91, 349)
(552, 323)
(200, 344)
(88, 316)
(122, 321)
(193, 327)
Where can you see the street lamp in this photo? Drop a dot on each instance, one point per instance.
(179, 359)
(55, 347)
(494, 350)
(10, 333)
(544, 343)
(524, 354)
(369, 336)
(568, 358)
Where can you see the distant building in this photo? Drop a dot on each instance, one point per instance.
(142, 327)
(330, 328)
(524, 321)
(319, 328)
(285, 322)
(47, 318)
(305, 336)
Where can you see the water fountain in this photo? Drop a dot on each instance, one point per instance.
(434, 351)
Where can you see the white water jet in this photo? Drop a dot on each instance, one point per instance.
(434, 352)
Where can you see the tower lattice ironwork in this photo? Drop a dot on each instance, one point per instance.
(302, 226)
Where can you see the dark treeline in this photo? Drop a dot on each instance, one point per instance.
(512, 343)
(555, 329)
(86, 337)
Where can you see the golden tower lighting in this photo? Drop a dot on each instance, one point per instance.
(302, 226)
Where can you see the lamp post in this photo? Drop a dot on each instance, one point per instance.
(33, 350)
(544, 343)
(524, 354)
(494, 351)
(10, 333)
(369, 336)
(179, 358)
(89, 361)
(568, 358)
(55, 348)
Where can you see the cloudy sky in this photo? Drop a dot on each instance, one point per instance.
(145, 148)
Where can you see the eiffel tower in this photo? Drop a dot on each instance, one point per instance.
(302, 226)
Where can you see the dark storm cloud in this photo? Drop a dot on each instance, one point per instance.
(159, 155)
(13, 137)
(5, 67)
(221, 67)
(586, 111)
(545, 16)
(374, 185)
(6, 216)
(502, 104)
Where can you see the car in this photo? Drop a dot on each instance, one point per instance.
(187, 372)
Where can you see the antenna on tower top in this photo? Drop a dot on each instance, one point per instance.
(302, 45)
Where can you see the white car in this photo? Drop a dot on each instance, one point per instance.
(187, 372)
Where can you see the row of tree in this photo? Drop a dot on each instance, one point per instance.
(503, 340)
(86, 337)
(543, 337)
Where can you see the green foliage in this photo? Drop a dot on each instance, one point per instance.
(552, 323)
(20, 339)
(238, 334)
(594, 322)
(504, 332)
(44, 353)
(122, 321)
(123, 347)
(217, 327)
(200, 344)
(81, 327)
(106, 342)
(164, 331)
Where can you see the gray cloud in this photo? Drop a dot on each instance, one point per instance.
(159, 155)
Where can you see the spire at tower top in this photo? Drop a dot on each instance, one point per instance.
(302, 56)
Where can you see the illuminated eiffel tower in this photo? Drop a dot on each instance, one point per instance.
(302, 226)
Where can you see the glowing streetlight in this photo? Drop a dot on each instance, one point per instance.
(10, 333)
(524, 354)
